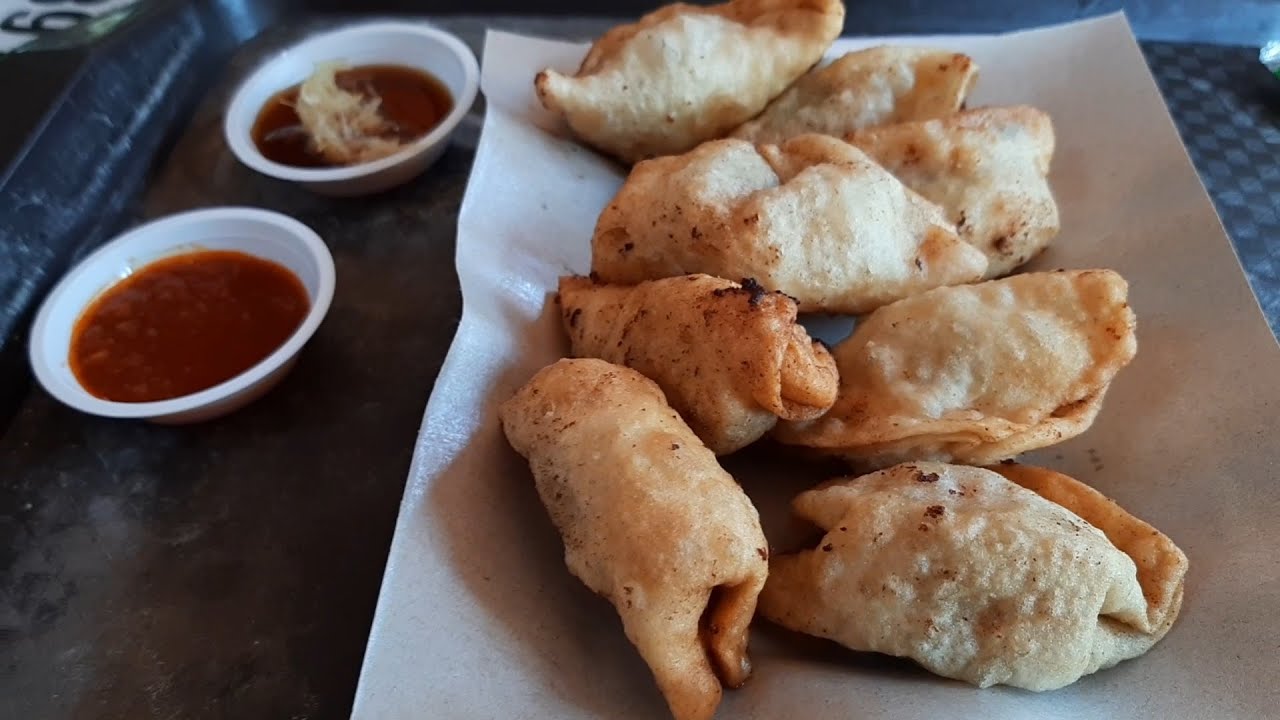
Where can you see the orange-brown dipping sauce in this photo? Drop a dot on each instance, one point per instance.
(183, 324)
(415, 102)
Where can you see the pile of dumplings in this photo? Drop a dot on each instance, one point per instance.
(763, 186)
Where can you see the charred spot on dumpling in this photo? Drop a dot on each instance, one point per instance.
(934, 511)
(756, 289)
(1071, 407)
(749, 286)
(627, 247)
(927, 477)
(1001, 244)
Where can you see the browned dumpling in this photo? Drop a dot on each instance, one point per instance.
(976, 373)
(730, 358)
(649, 520)
(879, 85)
(987, 168)
(1033, 580)
(814, 218)
(684, 74)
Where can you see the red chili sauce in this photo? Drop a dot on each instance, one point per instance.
(183, 324)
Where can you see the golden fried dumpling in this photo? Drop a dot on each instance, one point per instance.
(814, 218)
(1031, 583)
(1161, 566)
(989, 170)
(649, 520)
(684, 74)
(976, 373)
(878, 85)
(730, 358)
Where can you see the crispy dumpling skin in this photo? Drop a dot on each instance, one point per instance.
(879, 85)
(684, 74)
(730, 358)
(649, 520)
(978, 578)
(814, 218)
(989, 170)
(1162, 567)
(976, 373)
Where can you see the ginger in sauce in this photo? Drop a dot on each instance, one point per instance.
(409, 101)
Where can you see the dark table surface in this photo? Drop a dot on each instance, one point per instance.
(231, 568)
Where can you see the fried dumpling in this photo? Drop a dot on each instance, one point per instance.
(684, 74)
(1162, 567)
(976, 373)
(989, 170)
(814, 218)
(649, 520)
(869, 87)
(978, 578)
(730, 358)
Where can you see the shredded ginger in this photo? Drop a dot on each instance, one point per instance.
(345, 127)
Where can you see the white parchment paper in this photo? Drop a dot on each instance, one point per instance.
(478, 617)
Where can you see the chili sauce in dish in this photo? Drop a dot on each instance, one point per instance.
(185, 323)
(414, 102)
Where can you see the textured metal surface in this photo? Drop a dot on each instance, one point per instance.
(230, 569)
(1227, 108)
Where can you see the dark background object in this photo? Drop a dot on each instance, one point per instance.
(231, 569)
(80, 162)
